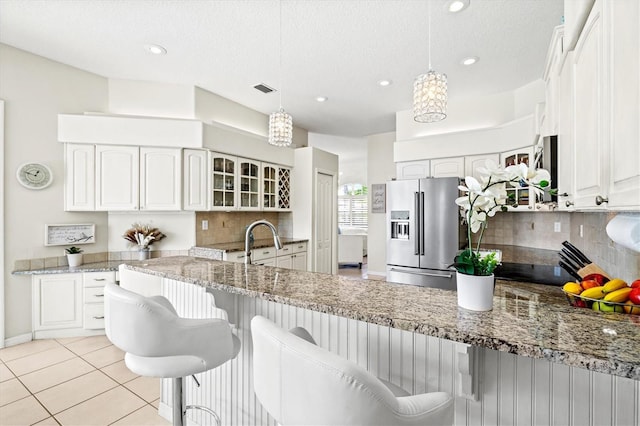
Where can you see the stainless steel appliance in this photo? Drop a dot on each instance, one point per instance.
(423, 225)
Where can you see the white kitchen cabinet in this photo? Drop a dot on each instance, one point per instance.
(223, 181)
(299, 261)
(56, 304)
(555, 56)
(285, 261)
(623, 59)
(266, 262)
(160, 179)
(249, 178)
(93, 298)
(566, 143)
(290, 256)
(117, 177)
(195, 171)
(589, 120)
(523, 197)
(413, 169)
(447, 167)
(79, 179)
(473, 162)
(276, 187)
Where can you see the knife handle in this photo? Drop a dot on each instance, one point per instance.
(573, 249)
(569, 270)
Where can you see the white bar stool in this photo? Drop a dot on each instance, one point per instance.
(299, 383)
(158, 343)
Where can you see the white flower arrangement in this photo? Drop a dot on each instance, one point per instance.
(483, 198)
(143, 235)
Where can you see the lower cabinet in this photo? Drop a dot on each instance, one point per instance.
(291, 256)
(65, 305)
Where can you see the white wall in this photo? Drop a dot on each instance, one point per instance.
(35, 91)
(351, 152)
(148, 98)
(381, 169)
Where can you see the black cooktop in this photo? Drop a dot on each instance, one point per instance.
(540, 274)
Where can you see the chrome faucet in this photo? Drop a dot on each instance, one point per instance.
(276, 238)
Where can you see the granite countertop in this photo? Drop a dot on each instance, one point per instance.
(260, 243)
(528, 319)
(108, 266)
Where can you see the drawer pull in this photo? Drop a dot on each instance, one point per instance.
(285, 249)
(98, 295)
(102, 317)
(266, 252)
(99, 279)
(240, 256)
(300, 246)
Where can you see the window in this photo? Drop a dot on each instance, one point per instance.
(353, 206)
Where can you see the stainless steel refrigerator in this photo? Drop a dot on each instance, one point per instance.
(423, 228)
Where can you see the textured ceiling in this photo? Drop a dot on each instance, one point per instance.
(338, 49)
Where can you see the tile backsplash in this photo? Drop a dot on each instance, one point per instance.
(536, 230)
(228, 227)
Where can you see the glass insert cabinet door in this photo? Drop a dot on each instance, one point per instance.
(269, 186)
(520, 196)
(249, 184)
(223, 169)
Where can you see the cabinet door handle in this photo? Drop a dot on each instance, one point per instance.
(600, 199)
(102, 317)
(99, 279)
(99, 295)
(568, 203)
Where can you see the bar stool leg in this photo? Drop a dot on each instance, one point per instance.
(178, 402)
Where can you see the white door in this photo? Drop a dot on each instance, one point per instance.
(325, 210)
(160, 178)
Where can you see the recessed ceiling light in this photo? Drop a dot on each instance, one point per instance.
(322, 99)
(384, 83)
(456, 6)
(470, 60)
(155, 49)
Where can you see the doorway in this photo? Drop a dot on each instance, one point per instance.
(326, 226)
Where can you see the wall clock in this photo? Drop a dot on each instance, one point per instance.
(34, 175)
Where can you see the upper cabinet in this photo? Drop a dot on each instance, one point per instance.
(473, 162)
(249, 186)
(606, 107)
(194, 183)
(224, 176)
(276, 187)
(125, 178)
(447, 167)
(522, 197)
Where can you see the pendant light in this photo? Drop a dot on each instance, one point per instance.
(280, 123)
(430, 91)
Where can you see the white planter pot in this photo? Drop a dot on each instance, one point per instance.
(475, 292)
(74, 259)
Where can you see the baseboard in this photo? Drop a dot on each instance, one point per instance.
(17, 340)
(381, 275)
(165, 411)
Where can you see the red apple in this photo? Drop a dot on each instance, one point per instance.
(634, 296)
(635, 284)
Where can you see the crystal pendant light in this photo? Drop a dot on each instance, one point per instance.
(280, 123)
(430, 92)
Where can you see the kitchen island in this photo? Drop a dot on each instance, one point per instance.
(533, 359)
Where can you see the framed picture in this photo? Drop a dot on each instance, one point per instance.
(378, 198)
(73, 234)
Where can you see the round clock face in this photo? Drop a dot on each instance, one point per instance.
(34, 175)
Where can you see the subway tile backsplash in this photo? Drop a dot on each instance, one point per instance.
(536, 230)
(228, 227)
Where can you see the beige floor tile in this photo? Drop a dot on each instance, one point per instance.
(147, 415)
(103, 357)
(89, 344)
(67, 394)
(156, 403)
(12, 390)
(147, 388)
(49, 421)
(5, 373)
(66, 340)
(24, 349)
(39, 360)
(119, 372)
(104, 409)
(26, 411)
(56, 374)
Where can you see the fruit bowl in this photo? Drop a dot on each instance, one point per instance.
(600, 305)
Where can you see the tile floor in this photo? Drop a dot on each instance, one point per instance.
(74, 381)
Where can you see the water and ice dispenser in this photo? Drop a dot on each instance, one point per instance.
(400, 224)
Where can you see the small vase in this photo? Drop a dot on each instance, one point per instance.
(74, 259)
(144, 253)
(475, 292)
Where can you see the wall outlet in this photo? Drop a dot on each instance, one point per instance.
(557, 227)
(581, 231)
(205, 225)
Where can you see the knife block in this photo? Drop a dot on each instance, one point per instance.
(592, 268)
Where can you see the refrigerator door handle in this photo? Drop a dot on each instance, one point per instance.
(421, 219)
(416, 220)
(426, 274)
